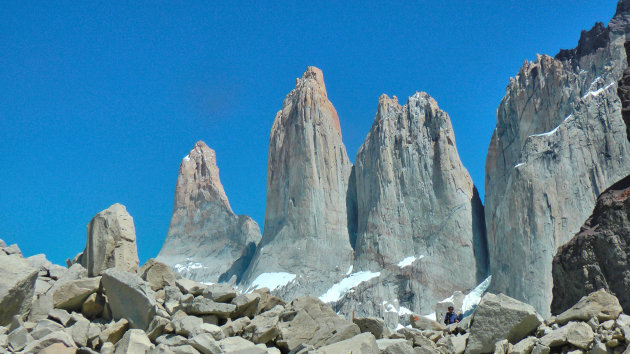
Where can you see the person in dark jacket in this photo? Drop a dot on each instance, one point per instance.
(451, 317)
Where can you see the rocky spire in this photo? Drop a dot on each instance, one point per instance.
(417, 202)
(306, 230)
(206, 241)
(559, 141)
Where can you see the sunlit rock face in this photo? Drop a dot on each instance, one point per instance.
(306, 229)
(419, 218)
(559, 142)
(206, 241)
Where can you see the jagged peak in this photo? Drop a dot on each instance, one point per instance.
(313, 76)
(200, 167)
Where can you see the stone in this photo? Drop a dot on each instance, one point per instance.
(540, 349)
(184, 349)
(71, 295)
(308, 182)
(60, 315)
(557, 140)
(220, 293)
(162, 349)
(134, 341)
(502, 347)
(205, 343)
(157, 274)
(363, 343)
(111, 242)
(308, 320)
(171, 340)
(201, 214)
(214, 330)
(56, 271)
(93, 306)
(524, 346)
(129, 297)
(599, 304)
(579, 334)
(264, 327)
(267, 301)
(18, 338)
(423, 323)
(418, 338)
(411, 159)
(370, 324)
(108, 348)
(157, 327)
(238, 345)
(80, 330)
(599, 348)
(394, 346)
(58, 348)
(246, 305)
(40, 307)
(202, 306)
(17, 286)
(234, 328)
(44, 328)
(50, 339)
(499, 317)
(187, 286)
(114, 331)
(186, 325)
(596, 257)
(457, 343)
(76, 271)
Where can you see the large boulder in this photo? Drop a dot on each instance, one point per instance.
(499, 317)
(157, 274)
(134, 341)
(129, 297)
(17, 286)
(71, 295)
(599, 304)
(307, 320)
(111, 242)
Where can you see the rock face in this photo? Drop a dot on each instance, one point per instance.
(559, 141)
(206, 241)
(597, 256)
(111, 242)
(306, 228)
(417, 205)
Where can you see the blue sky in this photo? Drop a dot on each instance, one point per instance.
(100, 101)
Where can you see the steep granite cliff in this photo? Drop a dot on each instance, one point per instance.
(306, 238)
(206, 241)
(420, 220)
(559, 141)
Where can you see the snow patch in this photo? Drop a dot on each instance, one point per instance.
(595, 93)
(272, 281)
(471, 300)
(337, 291)
(403, 311)
(186, 158)
(189, 266)
(409, 261)
(519, 164)
(350, 270)
(430, 316)
(552, 131)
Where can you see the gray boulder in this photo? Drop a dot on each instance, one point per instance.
(71, 295)
(370, 324)
(129, 297)
(364, 343)
(157, 274)
(394, 346)
(238, 345)
(599, 304)
(186, 325)
(307, 320)
(264, 327)
(111, 242)
(201, 306)
(17, 286)
(499, 317)
(205, 344)
(50, 339)
(134, 341)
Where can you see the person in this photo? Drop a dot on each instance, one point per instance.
(450, 317)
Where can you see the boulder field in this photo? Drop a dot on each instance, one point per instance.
(46, 308)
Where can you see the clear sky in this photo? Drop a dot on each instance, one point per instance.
(100, 101)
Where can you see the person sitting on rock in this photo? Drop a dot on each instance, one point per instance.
(451, 317)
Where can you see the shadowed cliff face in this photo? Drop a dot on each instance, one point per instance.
(206, 240)
(559, 141)
(306, 221)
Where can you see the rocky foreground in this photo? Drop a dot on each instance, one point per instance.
(110, 307)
